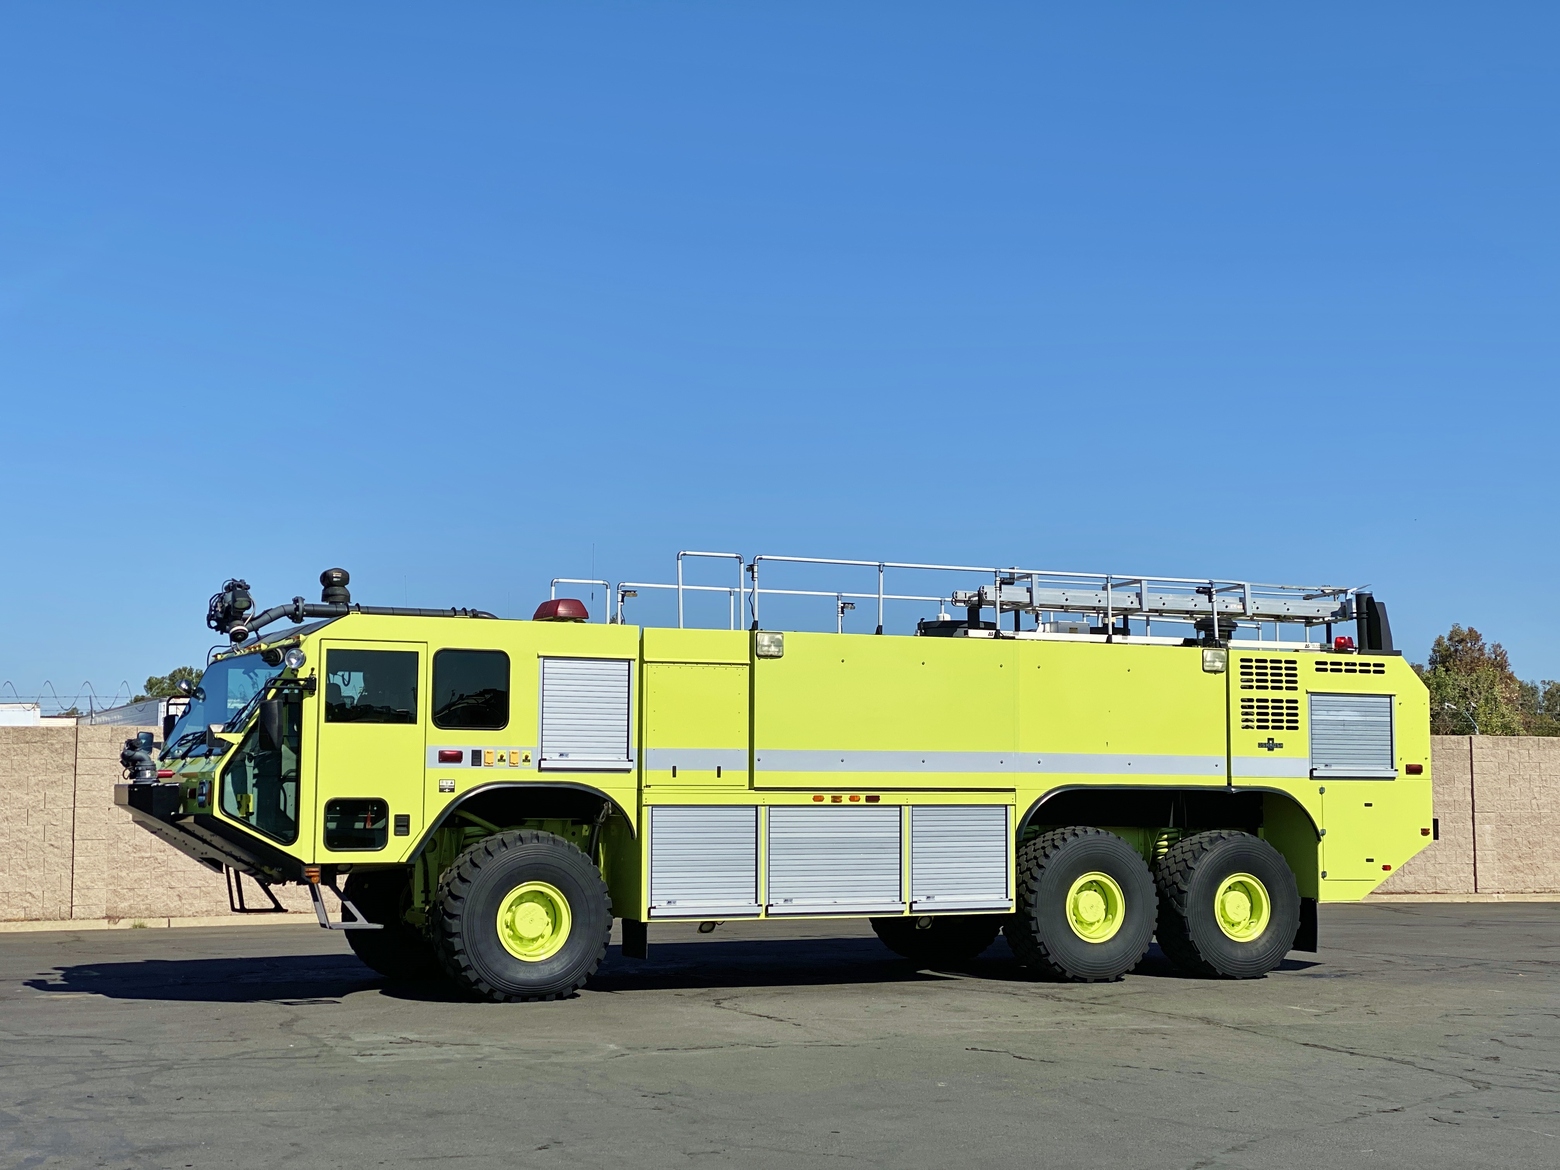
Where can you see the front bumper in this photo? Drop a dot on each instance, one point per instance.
(214, 843)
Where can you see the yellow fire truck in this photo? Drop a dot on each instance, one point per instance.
(1080, 761)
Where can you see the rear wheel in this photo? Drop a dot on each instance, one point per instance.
(1229, 905)
(399, 951)
(1086, 906)
(953, 938)
(522, 916)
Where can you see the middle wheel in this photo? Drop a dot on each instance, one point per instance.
(1086, 905)
(951, 938)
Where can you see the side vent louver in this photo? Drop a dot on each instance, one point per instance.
(1269, 674)
(1349, 666)
(1270, 714)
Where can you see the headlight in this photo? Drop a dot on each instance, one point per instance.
(294, 659)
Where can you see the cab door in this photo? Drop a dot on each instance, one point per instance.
(369, 802)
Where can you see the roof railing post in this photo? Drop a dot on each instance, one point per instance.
(880, 598)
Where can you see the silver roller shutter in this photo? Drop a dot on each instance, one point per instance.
(835, 861)
(585, 714)
(959, 857)
(703, 862)
(1351, 736)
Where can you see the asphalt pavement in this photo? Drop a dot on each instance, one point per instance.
(1422, 1035)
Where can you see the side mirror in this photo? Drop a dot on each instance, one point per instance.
(272, 718)
(215, 744)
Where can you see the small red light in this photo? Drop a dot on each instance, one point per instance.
(1343, 642)
(836, 800)
(1386, 867)
(817, 800)
(165, 773)
(561, 609)
(855, 800)
(1424, 832)
(873, 799)
(451, 755)
(1414, 769)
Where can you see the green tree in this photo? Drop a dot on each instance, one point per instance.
(165, 686)
(1541, 707)
(1473, 690)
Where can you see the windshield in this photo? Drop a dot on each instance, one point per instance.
(227, 691)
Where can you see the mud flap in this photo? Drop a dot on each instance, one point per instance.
(1305, 935)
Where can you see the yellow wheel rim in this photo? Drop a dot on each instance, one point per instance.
(534, 921)
(1096, 907)
(1242, 907)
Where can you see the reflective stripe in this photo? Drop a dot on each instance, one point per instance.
(1272, 767)
(696, 759)
(1071, 763)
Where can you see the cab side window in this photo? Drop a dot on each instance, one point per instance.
(370, 686)
(471, 689)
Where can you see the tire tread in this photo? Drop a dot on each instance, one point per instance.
(455, 886)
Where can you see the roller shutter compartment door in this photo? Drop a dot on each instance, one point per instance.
(585, 715)
(1351, 737)
(959, 857)
(835, 861)
(703, 862)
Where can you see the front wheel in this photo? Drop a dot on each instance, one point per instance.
(522, 916)
(1086, 906)
(398, 951)
(1230, 906)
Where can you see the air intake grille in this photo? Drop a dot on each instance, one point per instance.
(1349, 666)
(1269, 674)
(1270, 714)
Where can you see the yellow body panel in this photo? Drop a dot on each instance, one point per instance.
(909, 721)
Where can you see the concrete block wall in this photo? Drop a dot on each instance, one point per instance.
(37, 821)
(1497, 799)
(67, 852)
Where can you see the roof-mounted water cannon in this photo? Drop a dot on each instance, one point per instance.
(231, 611)
(228, 610)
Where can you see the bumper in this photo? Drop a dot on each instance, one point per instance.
(214, 843)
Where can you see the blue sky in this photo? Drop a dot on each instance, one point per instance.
(467, 298)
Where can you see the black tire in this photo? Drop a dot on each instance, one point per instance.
(1040, 932)
(400, 952)
(1189, 876)
(952, 938)
(466, 917)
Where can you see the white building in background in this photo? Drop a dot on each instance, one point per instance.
(31, 715)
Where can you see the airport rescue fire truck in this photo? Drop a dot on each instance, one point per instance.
(1080, 761)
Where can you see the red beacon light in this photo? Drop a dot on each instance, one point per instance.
(561, 609)
(1343, 642)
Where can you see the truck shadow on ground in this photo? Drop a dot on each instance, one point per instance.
(316, 979)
